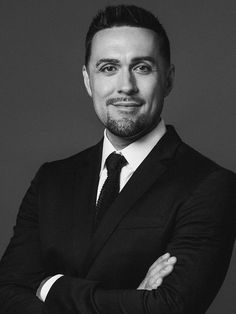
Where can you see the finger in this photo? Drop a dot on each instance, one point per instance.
(160, 266)
(159, 260)
(158, 263)
(157, 284)
(172, 260)
(160, 275)
(152, 282)
(150, 286)
(142, 285)
(167, 270)
(146, 285)
(158, 272)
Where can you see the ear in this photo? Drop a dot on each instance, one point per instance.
(170, 79)
(87, 80)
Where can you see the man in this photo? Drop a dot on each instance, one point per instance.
(91, 226)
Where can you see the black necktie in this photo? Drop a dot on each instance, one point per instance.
(111, 187)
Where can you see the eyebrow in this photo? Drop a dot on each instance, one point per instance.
(134, 60)
(107, 60)
(144, 58)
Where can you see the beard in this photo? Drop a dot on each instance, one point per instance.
(126, 127)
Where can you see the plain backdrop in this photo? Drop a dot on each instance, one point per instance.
(45, 113)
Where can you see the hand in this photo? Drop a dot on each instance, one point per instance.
(162, 267)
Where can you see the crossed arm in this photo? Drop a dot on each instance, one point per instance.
(198, 241)
(161, 268)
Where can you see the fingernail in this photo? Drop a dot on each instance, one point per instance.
(172, 259)
(166, 255)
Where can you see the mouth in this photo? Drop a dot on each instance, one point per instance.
(126, 107)
(127, 104)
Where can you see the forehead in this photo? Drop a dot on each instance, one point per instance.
(124, 42)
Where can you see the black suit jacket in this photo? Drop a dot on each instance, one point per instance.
(177, 201)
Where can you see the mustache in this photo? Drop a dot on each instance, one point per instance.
(113, 101)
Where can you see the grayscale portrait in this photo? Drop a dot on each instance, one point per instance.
(118, 184)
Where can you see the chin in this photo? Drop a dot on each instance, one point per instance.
(125, 128)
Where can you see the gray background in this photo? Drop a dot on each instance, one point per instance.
(45, 113)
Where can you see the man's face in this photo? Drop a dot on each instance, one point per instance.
(128, 80)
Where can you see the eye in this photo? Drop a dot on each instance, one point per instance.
(108, 69)
(143, 68)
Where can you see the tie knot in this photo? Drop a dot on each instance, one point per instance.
(115, 162)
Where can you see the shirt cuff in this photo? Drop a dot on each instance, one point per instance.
(47, 286)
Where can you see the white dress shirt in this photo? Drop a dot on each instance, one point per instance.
(134, 153)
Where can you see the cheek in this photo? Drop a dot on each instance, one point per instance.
(149, 90)
(100, 109)
(148, 84)
(102, 88)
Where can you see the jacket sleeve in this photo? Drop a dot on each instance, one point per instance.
(202, 241)
(21, 267)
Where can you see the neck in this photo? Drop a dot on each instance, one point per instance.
(118, 142)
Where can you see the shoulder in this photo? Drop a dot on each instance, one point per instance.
(58, 168)
(203, 189)
(191, 171)
(207, 184)
(188, 159)
(196, 163)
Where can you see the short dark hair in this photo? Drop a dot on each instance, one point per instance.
(127, 15)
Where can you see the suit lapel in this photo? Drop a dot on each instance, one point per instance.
(147, 173)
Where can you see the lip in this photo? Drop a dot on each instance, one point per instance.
(127, 104)
(126, 108)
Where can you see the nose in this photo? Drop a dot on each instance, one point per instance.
(127, 83)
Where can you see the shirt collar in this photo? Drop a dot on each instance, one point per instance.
(137, 151)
